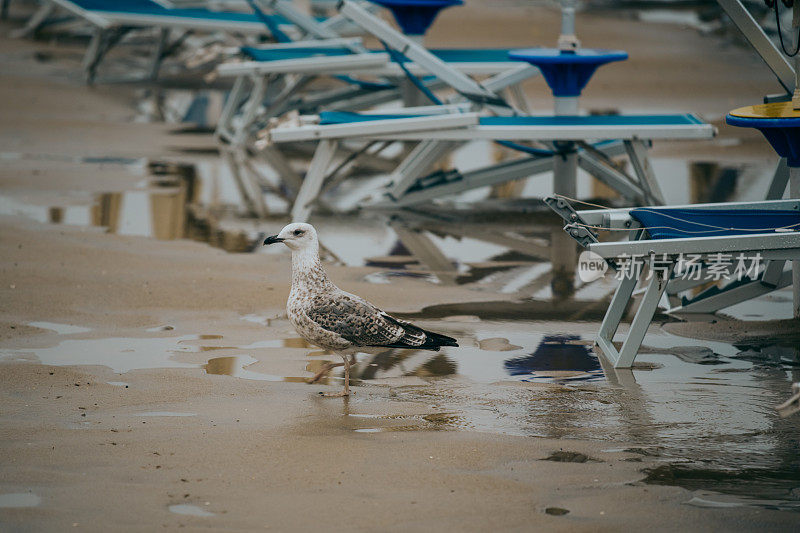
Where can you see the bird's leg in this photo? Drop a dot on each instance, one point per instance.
(327, 367)
(346, 376)
(346, 391)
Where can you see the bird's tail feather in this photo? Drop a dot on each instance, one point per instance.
(433, 342)
(438, 339)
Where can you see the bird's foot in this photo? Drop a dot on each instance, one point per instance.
(335, 394)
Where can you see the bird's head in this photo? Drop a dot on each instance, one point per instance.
(297, 236)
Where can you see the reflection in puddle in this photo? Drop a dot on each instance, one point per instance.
(514, 378)
(776, 489)
(123, 354)
(189, 509)
(19, 499)
(428, 422)
(166, 209)
(236, 366)
(558, 357)
(720, 426)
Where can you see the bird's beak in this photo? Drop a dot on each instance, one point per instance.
(272, 240)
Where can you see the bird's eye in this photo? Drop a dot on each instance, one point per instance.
(298, 232)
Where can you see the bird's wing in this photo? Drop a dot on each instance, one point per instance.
(361, 323)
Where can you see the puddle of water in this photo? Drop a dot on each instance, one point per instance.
(236, 366)
(682, 409)
(61, 329)
(558, 358)
(162, 209)
(189, 510)
(716, 500)
(19, 499)
(121, 354)
(732, 487)
(421, 422)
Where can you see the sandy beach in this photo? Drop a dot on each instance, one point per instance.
(153, 383)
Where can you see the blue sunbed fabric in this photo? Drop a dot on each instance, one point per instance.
(340, 117)
(454, 55)
(148, 7)
(673, 223)
(327, 118)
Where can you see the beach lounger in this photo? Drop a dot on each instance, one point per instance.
(335, 58)
(611, 135)
(245, 112)
(293, 65)
(666, 238)
(343, 60)
(112, 20)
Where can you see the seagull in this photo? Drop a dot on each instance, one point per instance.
(338, 321)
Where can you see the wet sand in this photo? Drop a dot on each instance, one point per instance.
(262, 453)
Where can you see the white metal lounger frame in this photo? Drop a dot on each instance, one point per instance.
(435, 144)
(448, 136)
(249, 91)
(776, 248)
(774, 277)
(110, 27)
(250, 88)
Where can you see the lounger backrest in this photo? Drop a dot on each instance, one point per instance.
(672, 223)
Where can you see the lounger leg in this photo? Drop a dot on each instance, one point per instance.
(794, 192)
(279, 103)
(768, 51)
(250, 109)
(289, 176)
(224, 131)
(518, 97)
(614, 314)
(90, 59)
(564, 251)
(637, 153)
(246, 194)
(158, 53)
(644, 315)
(779, 180)
(416, 163)
(36, 21)
(105, 41)
(611, 177)
(313, 180)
